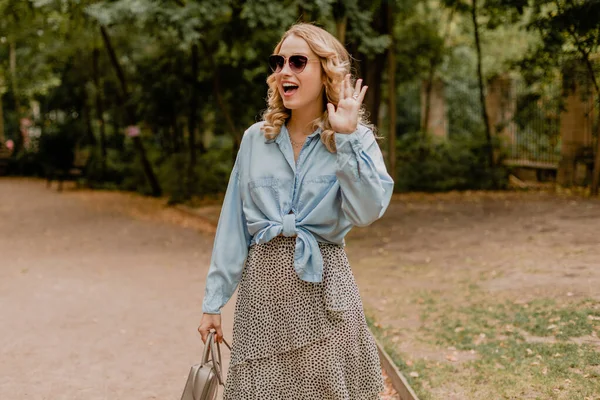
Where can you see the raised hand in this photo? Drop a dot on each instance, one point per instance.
(344, 118)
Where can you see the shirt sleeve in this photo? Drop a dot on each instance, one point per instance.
(230, 249)
(366, 186)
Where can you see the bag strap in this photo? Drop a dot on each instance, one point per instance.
(216, 348)
(205, 353)
(213, 347)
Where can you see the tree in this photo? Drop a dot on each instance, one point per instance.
(570, 30)
(495, 12)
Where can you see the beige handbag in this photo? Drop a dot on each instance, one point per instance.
(204, 378)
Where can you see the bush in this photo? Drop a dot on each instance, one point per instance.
(211, 174)
(433, 164)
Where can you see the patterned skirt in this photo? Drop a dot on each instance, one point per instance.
(298, 340)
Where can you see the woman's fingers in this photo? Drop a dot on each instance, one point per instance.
(208, 322)
(203, 333)
(347, 91)
(357, 87)
(330, 109)
(219, 334)
(348, 86)
(361, 96)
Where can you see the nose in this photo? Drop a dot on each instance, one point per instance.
(286, 68)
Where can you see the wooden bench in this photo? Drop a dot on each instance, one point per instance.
(540, 171)
(5, 154)
(73, 173)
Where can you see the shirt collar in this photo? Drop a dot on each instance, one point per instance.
(284, 132)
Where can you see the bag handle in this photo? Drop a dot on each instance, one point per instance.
(215, 350)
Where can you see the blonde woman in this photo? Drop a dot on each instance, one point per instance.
(303, 177)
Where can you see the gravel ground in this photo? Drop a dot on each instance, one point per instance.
(100, 295)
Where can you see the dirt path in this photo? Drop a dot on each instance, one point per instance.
(95, 304)
(100, 294)
(515, 246)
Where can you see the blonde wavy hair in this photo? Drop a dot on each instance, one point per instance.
(335, 62)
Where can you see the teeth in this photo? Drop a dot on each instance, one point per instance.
(288, 85)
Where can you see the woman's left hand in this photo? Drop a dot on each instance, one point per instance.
(344, 119)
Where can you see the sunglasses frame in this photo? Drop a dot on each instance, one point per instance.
(290, 62)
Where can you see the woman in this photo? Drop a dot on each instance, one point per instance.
(303, 177)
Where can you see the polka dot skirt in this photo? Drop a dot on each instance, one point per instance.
(298, 340)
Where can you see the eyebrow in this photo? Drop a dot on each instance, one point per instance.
(292, 54)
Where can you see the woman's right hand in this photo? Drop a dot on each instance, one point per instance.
(208, 322)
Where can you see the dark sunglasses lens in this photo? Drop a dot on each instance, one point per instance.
(276, 63)
(297, 63)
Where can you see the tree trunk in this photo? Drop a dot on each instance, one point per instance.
(590, 68)
(87, 117)
(99, 107)
(192, 122)
(229, 121)
(19, 139)
(2, 134)
(428, 90)
(116, 127)
(371, 66)
(488, 133)
(433, 64)
(302, 13)
(340, 26)
(175, 136)
(373, 79)
(391, 93)
(586, 57)
(596, 174)
(130, 115)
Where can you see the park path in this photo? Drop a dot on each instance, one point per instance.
(95, 304)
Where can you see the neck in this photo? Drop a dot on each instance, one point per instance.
(300, 122)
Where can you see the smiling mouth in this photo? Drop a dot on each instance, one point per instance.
(289, 89)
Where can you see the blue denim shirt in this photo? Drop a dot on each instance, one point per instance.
(317, 199)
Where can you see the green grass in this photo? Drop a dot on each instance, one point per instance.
(522, 350)
(381, 334)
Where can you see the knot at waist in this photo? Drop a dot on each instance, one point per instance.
(289, 225)
(308, 261)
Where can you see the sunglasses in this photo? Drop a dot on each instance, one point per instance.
(297, 62)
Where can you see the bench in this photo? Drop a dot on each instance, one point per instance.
(72, 173)
(531, 170)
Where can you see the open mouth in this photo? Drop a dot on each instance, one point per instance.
(289, 89)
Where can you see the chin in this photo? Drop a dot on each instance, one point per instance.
(291, 105)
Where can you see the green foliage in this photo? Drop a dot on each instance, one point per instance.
(433, 164)
(211, 175)
(155, 41)
(569, 31)
(123, 171)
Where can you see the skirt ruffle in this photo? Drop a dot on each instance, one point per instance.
(300, 340)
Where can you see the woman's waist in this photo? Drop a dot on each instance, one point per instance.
(292, 239)
(265, 230)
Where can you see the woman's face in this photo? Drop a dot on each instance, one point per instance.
(303, 88)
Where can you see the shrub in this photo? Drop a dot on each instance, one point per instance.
(431, 164)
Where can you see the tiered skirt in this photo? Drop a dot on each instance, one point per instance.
(298, 340)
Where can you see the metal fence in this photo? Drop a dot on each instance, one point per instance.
(535, 128)
(528, 121)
